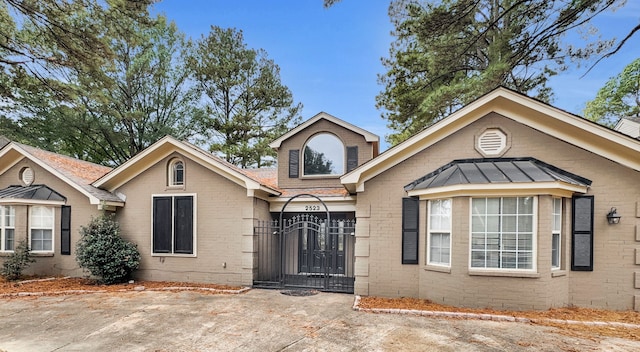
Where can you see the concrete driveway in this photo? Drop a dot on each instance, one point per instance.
(259, 320)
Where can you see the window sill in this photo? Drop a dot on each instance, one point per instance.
(532, 275)
(6, 253)
(438, 268)
(315, 177)
(161, 255)
(558, 273)
(43, 254)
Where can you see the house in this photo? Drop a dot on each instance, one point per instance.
(507, 203)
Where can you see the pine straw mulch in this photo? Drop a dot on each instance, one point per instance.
(546, 317)
(74, 285)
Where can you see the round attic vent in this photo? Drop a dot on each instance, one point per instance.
(26, 175)
(492, 142)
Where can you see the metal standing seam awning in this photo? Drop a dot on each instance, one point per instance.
(31, 194)
(497, 175)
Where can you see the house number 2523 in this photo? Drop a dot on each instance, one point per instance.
(311, 207)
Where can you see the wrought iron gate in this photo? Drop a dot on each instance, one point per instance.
(306, 251)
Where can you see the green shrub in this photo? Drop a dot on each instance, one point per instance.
(18, 261)
(104, 253)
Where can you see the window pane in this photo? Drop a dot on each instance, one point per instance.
(493, 259)
(178, 173)
(477, 241)
(509, 206)
(493, 223)
(493, 241)
(9, 239)
(525, 223)
(509, 223)
(525, 242)
(555, 250)
(479, 206)
(493, 205)
(509, 260)
(509, 241)
(324, 155)
(525, 205)
(525, 260)
(477, 259)
(478, 223)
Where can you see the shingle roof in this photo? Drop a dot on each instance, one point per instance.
(495, 170)
(80, 172)
(33, 192)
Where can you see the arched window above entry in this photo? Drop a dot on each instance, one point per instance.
(176, 172)
(323, 155)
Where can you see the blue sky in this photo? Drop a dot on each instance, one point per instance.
(330, 58)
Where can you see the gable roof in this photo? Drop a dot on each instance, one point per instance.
(167, 145)
(368, 136)
(555, 122)
(76, 173)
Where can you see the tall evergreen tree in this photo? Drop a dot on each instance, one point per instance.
(247, 106)
(450, 52)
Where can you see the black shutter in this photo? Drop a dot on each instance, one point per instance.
(294, 163)
(410, 223)
(582, 233)
(162, 224)
(65, 230)
(183, 235)
(352, 158)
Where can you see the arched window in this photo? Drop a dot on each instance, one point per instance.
(323, 155)
(176, 172)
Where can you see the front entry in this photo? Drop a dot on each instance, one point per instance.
(321, 251)
(307, 251)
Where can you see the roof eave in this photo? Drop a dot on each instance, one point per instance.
(554, 188)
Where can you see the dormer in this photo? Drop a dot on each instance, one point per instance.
(320, 150)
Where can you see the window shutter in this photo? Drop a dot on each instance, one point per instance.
(162, 221)
(294, 163)
(352, 158)
(183, 241)
(410, 217)
(582, 233)
(65, 230)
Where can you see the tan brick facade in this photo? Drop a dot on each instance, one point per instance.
(610, 285)
(81, 213)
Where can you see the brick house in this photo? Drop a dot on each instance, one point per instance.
(507, 203)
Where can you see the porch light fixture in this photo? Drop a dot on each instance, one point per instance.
(613, 217)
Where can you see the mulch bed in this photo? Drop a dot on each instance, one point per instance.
(546, 317)
(53, 286)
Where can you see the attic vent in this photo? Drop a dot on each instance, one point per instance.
(492, 142)
(26, 175)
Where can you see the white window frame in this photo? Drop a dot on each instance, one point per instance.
(195, 227)
(171, 173)
(32, 227)
(7, 212)
(438, 228)
(556, 230)
(534, 235)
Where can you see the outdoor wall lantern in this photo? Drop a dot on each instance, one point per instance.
(613, 217)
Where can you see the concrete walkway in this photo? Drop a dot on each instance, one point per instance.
(259, 320)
